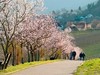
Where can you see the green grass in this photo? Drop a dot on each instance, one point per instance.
(16, 68)
(89, 41)
(92, 51)
(90, 67)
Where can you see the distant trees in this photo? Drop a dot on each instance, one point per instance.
(80, 9)
(88, 15)
(63, 16)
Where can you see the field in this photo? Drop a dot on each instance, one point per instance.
(89, 41)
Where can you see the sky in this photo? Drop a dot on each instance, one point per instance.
(68, 4)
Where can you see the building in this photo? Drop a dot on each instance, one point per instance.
(81, 26)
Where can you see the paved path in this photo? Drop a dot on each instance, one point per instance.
(66, 67)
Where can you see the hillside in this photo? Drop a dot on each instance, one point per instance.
(89, 14)
(89, 41)
(93, 8)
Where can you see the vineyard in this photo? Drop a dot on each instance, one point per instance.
(89, 41)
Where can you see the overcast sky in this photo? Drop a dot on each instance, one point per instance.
(68, 4)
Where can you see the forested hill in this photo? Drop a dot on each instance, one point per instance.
(89, 14)
(93, 8)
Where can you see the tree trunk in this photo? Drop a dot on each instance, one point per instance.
(13, 55)
(7, 59)
(28, 56)
(13, 59)
(32, 59)
(22, 59)
(37, 55)
(9, 56)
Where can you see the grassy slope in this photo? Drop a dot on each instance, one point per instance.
(90, 67)
(89, 41)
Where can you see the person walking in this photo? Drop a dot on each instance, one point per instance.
(82, 56)
(70, 57)
(73, 55)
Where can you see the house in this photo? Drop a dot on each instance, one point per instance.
(72, 26)
(89, 26)
(98, 26)
(81, 26)
(68, 30)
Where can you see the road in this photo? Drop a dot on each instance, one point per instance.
(66, 67)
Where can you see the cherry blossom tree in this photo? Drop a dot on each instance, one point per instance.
(35, 30)
(63, 41)
(70, 45)
(60, 41)
(21, 26)
(42, 32)
(12, 14)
